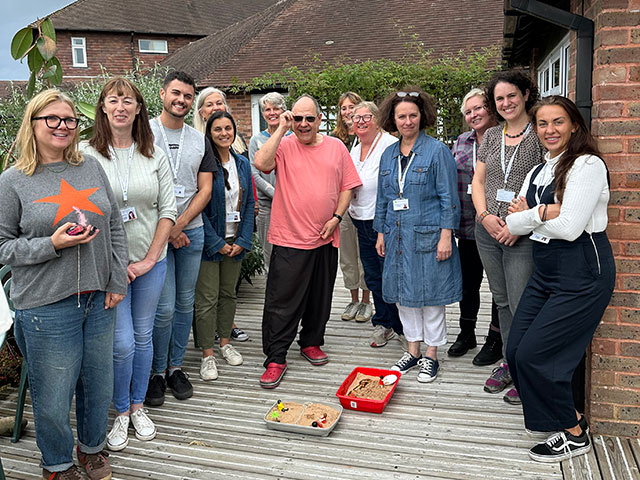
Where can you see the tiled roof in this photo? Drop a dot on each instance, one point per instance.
(170, 17)
(200, 56)
(339, 29)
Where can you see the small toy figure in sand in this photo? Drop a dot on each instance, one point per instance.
(281, 406)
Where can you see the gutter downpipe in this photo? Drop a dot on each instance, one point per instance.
(584, 50)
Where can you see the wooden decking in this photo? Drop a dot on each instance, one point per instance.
(449, 429)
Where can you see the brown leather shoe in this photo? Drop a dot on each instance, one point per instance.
(71, 473)
(95, 464)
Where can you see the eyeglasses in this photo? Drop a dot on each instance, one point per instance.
(53, 121)
(365, 118)
(300, 118)
(411, 94)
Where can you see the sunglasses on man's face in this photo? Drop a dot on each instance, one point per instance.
(300, 118)
(410, 94)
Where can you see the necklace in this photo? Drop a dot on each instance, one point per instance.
(519, 134)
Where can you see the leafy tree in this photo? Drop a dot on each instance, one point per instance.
(447, 79)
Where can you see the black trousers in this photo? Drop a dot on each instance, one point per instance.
(299, 287)
(558, 313)
(472, 274)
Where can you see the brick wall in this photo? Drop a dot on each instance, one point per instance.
(240, 106)
(614, 395)
(111, 51)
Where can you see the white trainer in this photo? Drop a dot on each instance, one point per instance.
(118, 437)
(209, 368)
(144, 427)
(231, 355)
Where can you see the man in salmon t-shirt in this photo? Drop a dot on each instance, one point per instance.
(314, 181)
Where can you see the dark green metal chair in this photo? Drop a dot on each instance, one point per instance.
(24, 381)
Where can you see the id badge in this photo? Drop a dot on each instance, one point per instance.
(539, 238)
(503, 195)
(469, 189)
(401, 204)
(178, 190)
(233, 217)
(128, 214)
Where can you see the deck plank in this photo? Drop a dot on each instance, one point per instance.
(448, 430)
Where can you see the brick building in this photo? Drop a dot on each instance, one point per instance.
(596, 62)
(114, 35)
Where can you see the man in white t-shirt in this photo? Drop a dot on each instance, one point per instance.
(193, 164)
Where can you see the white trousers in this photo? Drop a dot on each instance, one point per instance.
(426, 324)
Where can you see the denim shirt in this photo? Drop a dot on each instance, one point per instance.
(214, 214)
(412, 276)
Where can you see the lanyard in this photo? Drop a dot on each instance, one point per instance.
(233, 177)
(506, 169)
(402, 176)
(544, 183)
(124, 181)
(174, 166)
(360, 164)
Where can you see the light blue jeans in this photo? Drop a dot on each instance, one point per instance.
(133, 347)
(68, 349)
(174, 316)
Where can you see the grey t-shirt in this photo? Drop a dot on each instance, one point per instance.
(196, 156)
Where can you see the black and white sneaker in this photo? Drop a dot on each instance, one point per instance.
(406, 363)
(561, 446)
(239, 335)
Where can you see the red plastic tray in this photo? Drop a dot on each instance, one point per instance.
(364, 404)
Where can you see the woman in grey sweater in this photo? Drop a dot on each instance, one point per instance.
(61, 232)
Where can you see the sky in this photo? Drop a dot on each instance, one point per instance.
(19, 15)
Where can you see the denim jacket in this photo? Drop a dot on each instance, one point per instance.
(412, 276)
(214, 214)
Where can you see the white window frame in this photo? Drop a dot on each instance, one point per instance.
(151, 42)
(558, 58)
(82, 47)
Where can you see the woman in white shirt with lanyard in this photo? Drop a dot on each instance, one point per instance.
(506, 155)
(366, 157)
(228, 233)
(141, 179)
(573, 276)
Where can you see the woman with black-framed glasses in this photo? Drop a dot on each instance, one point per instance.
(61, 231)
(350, 264)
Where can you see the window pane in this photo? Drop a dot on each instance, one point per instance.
(556, 73)
(158, 46)
(78, 56)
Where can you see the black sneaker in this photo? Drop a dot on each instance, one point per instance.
(406, 363)
(561, 446)
(465, 342)
(490, 352)
(180, 385)
(155, 391)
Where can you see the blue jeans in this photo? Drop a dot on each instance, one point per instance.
(133, 347)
(68, 349)
(508, 270)
(373, 264)
(174, 316)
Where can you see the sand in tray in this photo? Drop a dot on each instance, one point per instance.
(368, 386)
(304, 415)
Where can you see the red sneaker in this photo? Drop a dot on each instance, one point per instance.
(314, 355)
(273, 375)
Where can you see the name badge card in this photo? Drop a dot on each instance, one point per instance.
(233, 217)
(539, 238)
(401, 204)
(503, 195)
(178, 190)
(128, 214)
(469, 189)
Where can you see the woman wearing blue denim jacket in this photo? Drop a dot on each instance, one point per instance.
(228, 234)
(416, 211)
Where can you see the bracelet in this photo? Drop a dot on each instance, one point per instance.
(481, 216)
(339, 217)
(544, 213)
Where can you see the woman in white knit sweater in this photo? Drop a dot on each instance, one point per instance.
(563, 205)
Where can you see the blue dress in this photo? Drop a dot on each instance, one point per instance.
(412, 276)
